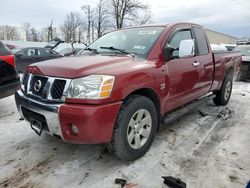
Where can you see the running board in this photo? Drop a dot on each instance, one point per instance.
(176, 114)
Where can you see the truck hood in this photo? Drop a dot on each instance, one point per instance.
(73, 67)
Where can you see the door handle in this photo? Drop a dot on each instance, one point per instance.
(196, 63)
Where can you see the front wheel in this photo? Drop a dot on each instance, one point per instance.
(135, 128)
(224, 94)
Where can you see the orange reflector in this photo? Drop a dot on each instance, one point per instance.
(110, 81)
(104, 93)
(106, 87)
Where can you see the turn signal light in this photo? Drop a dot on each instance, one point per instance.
(106, 88)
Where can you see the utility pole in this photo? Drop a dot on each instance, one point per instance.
(93, 31)
(89, 22)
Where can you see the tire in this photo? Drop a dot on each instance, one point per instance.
(239, 76)
(135, 128)
(224, 94)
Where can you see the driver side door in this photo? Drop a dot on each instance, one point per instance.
(182, 75)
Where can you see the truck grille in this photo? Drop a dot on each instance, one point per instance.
(57, 89)
(44, 87)
(35, 88)
(24, 83)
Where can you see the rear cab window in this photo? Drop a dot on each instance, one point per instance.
(202, 45)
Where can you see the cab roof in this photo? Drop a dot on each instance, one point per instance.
(165, 24)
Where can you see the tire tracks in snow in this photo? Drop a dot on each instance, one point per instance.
(21, 178)
(175, 156)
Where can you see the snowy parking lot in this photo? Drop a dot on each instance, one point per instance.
(209, 147)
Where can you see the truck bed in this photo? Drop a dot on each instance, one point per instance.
(222, 60)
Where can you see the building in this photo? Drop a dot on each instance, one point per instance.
(220, 38)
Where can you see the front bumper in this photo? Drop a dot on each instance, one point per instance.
(94, 122)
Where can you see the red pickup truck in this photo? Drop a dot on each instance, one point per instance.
(121, 87)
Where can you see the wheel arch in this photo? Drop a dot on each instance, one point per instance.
(229, 71)
(153, 96)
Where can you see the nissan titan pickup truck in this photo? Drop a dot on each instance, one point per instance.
(120, 89)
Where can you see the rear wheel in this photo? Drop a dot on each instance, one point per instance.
(240, 76)
(135, 128)
(224, 94)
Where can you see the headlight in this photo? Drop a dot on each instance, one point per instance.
(91, 87)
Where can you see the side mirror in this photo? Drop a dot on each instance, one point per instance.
(168, 51)
(186, 48)
(19, 55)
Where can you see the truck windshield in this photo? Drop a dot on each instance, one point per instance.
(136, 41)
(244, 50)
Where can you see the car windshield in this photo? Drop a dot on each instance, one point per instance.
(136, 41)
(16, 50)
(244, 50)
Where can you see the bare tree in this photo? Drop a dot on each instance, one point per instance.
(26, 27)
(80, 32)
(71, 23)
(87, 10)
(46, 35)
(101, 17)
(33, 34)
(2, 33)
(143, 18)
(8, 33)
(126, 10)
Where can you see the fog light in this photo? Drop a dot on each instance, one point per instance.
(74, 129)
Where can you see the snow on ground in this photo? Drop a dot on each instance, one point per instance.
(203, 151)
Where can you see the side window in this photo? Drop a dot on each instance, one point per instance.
(31, 52)
(176, 40)
(201, 41)
(45, 53)
(38, 53)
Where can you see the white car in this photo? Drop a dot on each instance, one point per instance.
(244, 73)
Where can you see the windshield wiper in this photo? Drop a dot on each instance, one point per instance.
(91, 49)
(117, 49)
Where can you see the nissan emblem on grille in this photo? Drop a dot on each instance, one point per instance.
(37, 85)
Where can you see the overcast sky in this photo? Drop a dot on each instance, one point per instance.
(228, 16)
